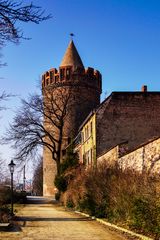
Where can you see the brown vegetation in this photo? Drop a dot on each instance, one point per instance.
(125, 198)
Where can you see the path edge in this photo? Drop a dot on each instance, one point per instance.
(115, 227)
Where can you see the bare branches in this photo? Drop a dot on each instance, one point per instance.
(12, 12)
(2, 172)
(4, 97)
(40, 122)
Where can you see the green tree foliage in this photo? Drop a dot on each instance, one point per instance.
(70, 161)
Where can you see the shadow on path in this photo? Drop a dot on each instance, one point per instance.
(40, 200)
(34, 219)
(13, 227)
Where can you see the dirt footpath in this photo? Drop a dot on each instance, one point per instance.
(41, 219)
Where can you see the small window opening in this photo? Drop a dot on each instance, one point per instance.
(62, 74)
(68, 73)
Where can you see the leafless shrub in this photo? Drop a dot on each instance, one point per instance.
(125, 197)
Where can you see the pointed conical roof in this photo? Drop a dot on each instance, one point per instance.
(71, 57)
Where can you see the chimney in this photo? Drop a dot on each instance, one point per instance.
(144, 88)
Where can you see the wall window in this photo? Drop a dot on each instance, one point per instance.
(88, 157)
(91, 156)
(91, 128)
(82, 137)
(85, 133)
(88, 131)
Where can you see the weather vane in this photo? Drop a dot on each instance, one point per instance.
(72, 35)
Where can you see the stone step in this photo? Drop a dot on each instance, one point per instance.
(4, 226)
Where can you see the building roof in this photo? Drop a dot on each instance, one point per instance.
(86, 119)
(71, 57)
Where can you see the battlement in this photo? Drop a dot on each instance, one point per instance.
(66, 75)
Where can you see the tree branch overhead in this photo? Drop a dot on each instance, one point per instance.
(12, 12)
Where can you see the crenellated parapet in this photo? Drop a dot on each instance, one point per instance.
(88, 77)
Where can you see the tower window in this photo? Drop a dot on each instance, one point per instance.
(51, 77)
(62, 74)
(68, 73)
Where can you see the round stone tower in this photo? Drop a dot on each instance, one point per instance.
(84, 86)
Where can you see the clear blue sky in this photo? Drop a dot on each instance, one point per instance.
(120, 38)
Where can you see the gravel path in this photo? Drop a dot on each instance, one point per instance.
(41, 219)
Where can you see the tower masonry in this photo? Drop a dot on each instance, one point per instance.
(84, 87)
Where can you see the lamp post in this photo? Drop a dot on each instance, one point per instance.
(24, 178)
(11, 168)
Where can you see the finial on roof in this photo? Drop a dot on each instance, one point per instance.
(71, 57)
(71, 35)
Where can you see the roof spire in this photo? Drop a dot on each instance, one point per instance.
(71, 56)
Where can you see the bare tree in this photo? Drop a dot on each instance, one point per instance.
(40, 123)
(3, 97)
(2, 171)
(38, 178)
(12, 12)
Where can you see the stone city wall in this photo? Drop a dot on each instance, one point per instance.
(110, 157)
(145, 158)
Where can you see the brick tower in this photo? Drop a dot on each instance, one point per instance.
(85, 87)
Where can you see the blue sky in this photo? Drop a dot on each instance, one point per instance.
(120, 38)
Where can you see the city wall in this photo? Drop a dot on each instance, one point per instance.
(145, 158)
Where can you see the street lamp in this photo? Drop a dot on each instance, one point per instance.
(11, 168)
